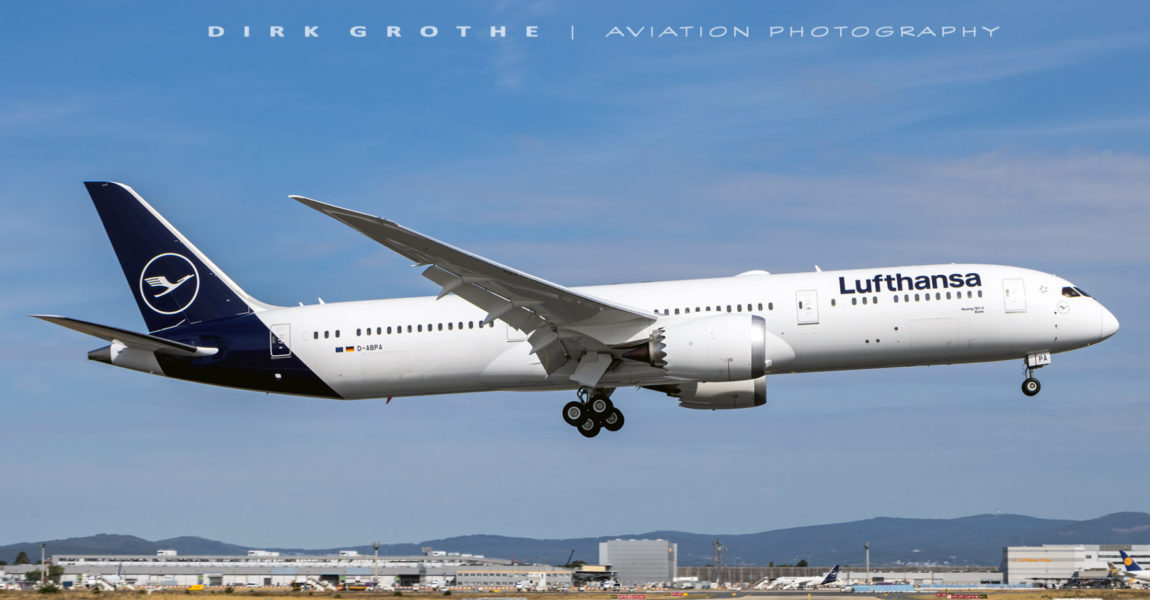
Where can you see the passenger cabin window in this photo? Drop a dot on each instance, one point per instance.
(770, 306)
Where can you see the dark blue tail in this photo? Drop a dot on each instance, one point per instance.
(831, 577)
(172, 281)
(1129, 562)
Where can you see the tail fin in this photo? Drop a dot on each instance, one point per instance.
(1129, 562)
(832, 576)
(172, 281)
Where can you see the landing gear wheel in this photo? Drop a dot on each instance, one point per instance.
(600, 405)
(1031, 386)
(573, 412)
(613, 421)
(589, 426)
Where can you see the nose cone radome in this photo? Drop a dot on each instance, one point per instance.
(1109, 324)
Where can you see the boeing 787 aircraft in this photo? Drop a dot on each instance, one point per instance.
(709, 343)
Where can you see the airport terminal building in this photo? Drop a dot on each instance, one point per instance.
(268, 569)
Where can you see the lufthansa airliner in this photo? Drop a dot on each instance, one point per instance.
(708, 343)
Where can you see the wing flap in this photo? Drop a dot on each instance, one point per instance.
(130, 339)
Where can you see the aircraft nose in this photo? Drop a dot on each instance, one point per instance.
(1109, 324)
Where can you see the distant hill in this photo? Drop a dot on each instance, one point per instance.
(976, 540)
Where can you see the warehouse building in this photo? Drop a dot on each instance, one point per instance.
(1055, 564)
(641, 562)
(526, 577)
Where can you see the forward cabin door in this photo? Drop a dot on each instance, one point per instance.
(1014, 295)
(807, 305)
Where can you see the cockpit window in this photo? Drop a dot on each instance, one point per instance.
(1080, 291)
(1070, 292)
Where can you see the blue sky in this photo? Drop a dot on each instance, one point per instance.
(585, 161)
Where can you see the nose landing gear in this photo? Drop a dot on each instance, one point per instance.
(1031, 386)
(592, 412)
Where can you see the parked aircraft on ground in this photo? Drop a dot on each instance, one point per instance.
(799, 583)
(709, 343)
(1130, 571)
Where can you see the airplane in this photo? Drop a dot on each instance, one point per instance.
(708, 343)
(1130, 571)
(796, 583)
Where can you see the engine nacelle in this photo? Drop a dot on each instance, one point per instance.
(724, 394)
(713, 348)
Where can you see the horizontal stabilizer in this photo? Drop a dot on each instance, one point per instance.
(141, 341)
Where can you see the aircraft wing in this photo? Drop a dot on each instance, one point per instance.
(131, 339)
(546, 310)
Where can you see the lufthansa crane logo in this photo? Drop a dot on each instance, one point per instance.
(169, 283)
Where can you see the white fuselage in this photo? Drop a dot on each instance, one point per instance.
(831, 320)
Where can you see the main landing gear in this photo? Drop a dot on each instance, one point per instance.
(592, 412)
(1031, 386)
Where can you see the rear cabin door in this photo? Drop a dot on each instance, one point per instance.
(280, 335)
(1014, 295)
(807, 305)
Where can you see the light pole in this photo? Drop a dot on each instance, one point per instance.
(866, 546)
(43, 565)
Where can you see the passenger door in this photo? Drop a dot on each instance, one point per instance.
(807, 305)
(280, 337)
(1014, 295)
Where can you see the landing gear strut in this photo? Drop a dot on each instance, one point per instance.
(592, 412)
(1031, 386)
